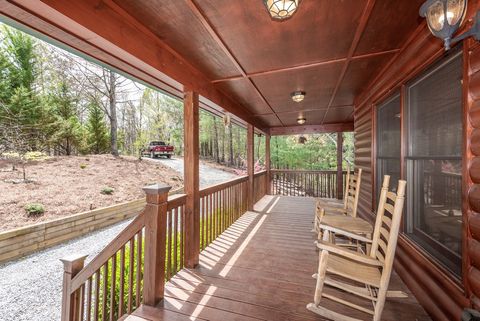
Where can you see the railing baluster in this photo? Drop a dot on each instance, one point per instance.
(104, 291)
(113, 286)
(121, 300)
(130, 273)
(89, 299)
(97, 296)
(175, 238)
(138, 271)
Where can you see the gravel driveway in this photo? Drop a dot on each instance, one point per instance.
(30, 288)
(208, 175)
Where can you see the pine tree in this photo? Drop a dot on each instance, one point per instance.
(98, 140)
(67, 130)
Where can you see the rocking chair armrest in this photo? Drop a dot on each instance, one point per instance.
(335, 209)
(345, 233)
(352, 255)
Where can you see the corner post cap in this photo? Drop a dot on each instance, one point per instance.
(155, 189)
(73, 262)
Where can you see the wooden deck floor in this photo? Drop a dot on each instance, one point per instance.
(260, 269)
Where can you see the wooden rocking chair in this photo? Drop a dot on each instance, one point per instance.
(351, 268)
(349, 205)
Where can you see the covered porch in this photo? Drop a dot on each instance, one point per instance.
(260, 268)
(238, 251)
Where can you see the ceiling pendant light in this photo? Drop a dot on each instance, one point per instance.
(301, 120)
(281, 9)
(298, 96)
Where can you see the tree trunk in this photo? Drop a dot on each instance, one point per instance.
(223, 146)
(230, 136)
(215, 130)
(113, 114)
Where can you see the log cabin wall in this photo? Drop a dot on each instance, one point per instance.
(471, 167)
(441, 294)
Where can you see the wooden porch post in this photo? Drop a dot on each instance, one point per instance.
(71, 301)
(250, 166)
(155, 243)
(191, 179)
(339, 165)
(267, 164)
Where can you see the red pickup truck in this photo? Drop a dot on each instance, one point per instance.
(158, 148)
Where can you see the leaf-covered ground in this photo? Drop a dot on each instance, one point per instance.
(72, 184)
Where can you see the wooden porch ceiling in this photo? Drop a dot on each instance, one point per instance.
(330, 49)
(232, 53)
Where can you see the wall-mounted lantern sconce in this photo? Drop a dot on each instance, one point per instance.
(444, 17)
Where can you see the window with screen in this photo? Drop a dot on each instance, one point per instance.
(388, 142)
(434, 161)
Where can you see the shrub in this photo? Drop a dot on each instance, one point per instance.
(107, 191)
(83, 166)
(34, 209)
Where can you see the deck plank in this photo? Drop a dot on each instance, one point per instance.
(260, 269)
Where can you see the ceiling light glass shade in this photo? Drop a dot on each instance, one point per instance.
(444, 17)
(281, 9)
(301, 120)
(298, 96)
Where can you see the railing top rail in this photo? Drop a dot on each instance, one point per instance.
(295, 171)
(218, 187)
(176, 200)
(120, 240)
(260, 173)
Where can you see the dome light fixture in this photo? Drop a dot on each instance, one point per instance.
(444, 17)
(281, 10)
(298, 96)
(301, 120)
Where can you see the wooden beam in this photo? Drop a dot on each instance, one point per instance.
(250, 166)
(356, 39)
(309, 65)
(135, 50)
(340, 165)
(191, 179)
(311, 129)
(267, 163)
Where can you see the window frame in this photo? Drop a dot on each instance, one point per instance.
(421, 239)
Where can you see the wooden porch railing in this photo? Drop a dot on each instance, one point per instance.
(220, 206)
(112, 284)
(260, 185)
(133, 268)
(305, 183)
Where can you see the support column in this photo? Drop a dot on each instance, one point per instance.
(191, 179)
(339, 165)
(155, 243)
(267, 164)
(250, 165)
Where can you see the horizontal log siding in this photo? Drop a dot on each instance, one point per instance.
(363, 157)
(472, 174)
(22, 241)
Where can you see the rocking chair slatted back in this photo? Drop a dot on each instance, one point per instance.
(387, 227)
(351, 198)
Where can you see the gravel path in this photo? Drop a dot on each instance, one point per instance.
(208, 175)
(30, 288)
